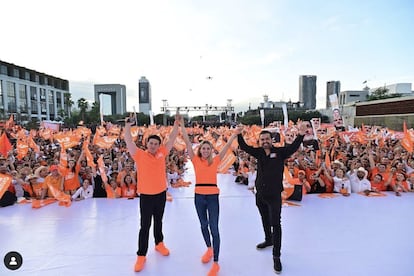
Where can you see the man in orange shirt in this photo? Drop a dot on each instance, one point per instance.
(152, 187)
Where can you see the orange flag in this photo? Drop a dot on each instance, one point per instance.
(5, 181)
(22, 148)
(226, 162)
(287, 189)
(406, 140)
(327, 160)
(63, 161)
(67, 139)
(317, 160)
(9, 122)
(88, 155)
(82, 131)
(114, 130)
(104, 142)
(5, 145)
(101, 166)
(179, 144)
(38, 203)
(64, 199)
(32, 143)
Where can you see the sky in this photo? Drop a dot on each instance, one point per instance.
(197, 52)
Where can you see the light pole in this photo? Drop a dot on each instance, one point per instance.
(165, 111)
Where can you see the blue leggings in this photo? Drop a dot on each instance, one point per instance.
(207, 207)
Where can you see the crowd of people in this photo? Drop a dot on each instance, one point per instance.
(323, 160)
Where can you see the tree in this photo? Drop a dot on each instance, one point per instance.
(94, 115)
(83, 106)
(68, 102)
(382, 93)
(61, 113)
(32, 124)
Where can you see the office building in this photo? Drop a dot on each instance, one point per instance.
(144, 95)
(111, 97)
(307, 91)
(29, 94)
(332, 87)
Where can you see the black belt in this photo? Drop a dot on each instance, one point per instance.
(204, 185)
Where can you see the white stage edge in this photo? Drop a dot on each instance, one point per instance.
(354, 235)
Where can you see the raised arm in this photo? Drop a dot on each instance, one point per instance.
(132, 148)
(80, 158)
(290, 149)
(174, 132)
(186, 139)
(242, 143)
(226, 147)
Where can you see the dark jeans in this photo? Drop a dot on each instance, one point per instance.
(7, 199)
(207, 207)
(151, 206)
(270, 209)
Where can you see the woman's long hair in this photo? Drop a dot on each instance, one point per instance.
(210, 157)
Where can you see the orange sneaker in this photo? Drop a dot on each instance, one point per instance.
(139, 264)
(162, 249)
(214, 269)
(207, 256)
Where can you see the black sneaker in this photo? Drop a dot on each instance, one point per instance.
(264, 244)
(277, 265)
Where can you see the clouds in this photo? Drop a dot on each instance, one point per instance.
(250, 48)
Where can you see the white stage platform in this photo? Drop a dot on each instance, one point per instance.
(357, 235)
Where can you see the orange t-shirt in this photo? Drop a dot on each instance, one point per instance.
(71, 178)
(130, 191)
(328, 183)
(122, 174)
(110, 193)
(403, 183)
(152, 176)
(206, 174)
(36, 191)
(375, 171)
(380, 186)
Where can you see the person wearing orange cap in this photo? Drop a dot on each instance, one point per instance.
(54, 179)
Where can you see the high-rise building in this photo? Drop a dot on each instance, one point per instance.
(28, 94)
(144, 95)
(307, 91)
(111, 97)
(332, 87)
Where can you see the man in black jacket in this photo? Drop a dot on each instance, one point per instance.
(269, 186)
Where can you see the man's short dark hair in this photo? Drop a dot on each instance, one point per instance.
(265, 132)
(156, 137)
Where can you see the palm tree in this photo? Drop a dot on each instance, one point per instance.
(95, 114)
(68, 102)
(83, 105)
(61, 114)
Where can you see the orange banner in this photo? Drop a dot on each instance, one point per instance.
(226, 162)
(5, 181)
(104, 142)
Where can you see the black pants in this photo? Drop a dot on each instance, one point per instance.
(151, 206)
(270, 209)
(7, 199)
